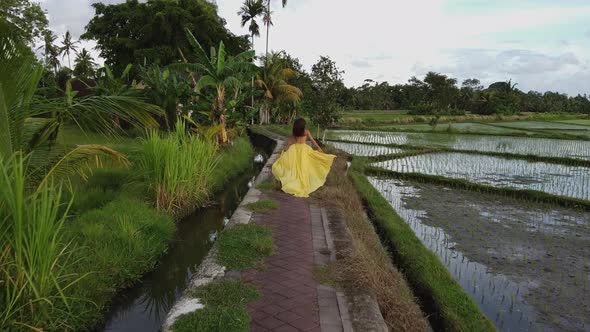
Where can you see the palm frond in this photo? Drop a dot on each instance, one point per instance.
(200, 52)
(81, 160)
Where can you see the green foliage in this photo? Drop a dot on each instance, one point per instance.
(177, 167)
(84, 65)
(27, 16)
(220, 76)
(233, 160)
(214, 319)
(34, 254)
(250, 10)
(328, 87)
(263, 205)
(152, 32)
(166, 89)
(116, 245)
(226, 293)
(432, 282)
(278, 94)
(243, 246)
(268, 185)
(30, 124)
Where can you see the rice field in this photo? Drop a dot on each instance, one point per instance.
(570, 181)
(545, 147)
(527, 265)
(461, 127)
(542, 125)
(365, 150)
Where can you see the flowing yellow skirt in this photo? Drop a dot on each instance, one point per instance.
(302, 170)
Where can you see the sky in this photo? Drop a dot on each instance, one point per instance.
(539, 44)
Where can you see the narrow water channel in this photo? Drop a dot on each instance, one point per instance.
(145, 306)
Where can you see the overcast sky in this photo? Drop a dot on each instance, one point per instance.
(540, 44)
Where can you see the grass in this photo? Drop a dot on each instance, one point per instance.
(225, 307)
(177, 168)
(367, 264)
(527, 194)
(372, 118)
(116, 245)
(34, 281)
(214, 319)
(263, 205)
(233, 160)
(450, 306)
(226, 293)
(243, 246)
(269, 185)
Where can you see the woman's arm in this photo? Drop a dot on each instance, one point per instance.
(308, 133)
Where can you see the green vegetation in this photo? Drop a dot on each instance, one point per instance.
(243, 246)
(214, 319)
(226, 293)
(263, 205)
(161, 41)
(364, 264)
(114, 246)
(451, 307)
(177, 168)
(268, 185)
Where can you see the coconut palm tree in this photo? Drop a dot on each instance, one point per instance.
(220, 73)
(84, 65)
(273, 80)
(268, 20)
(69, 46)
(29, 123)
(250, 10)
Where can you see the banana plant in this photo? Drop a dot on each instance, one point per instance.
(219, 75)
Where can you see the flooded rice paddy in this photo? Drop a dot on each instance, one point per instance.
(365, 150)
(562, 180)
(527, 265)
(545, 147)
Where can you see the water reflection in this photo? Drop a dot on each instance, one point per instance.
(145, 306)
(498, 297)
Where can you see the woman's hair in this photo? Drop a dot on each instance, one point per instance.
(299, 127)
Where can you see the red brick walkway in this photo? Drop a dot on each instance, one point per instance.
(289, 300)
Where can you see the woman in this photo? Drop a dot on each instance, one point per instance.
(300, 169)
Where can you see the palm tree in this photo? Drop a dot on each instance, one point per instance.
(268, 20)
(250, 10)
(30, 123)
(50, 50)
(69, 46)
(84, 65)
(219, 72)
(273, 80)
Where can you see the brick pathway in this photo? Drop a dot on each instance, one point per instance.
(289, 300)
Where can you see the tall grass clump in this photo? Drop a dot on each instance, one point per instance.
(177, 167)
(33, 255)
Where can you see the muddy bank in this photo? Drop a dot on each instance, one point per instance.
(527, 265)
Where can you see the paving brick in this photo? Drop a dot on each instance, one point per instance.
(289, 297)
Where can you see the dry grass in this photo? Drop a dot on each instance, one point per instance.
(367, 265)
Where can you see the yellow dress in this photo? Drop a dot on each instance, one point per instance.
(301, 169)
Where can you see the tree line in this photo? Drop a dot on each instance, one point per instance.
(440, 94)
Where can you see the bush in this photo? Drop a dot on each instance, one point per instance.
(117, 244)
(178, 169)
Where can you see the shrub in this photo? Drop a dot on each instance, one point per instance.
(177, 168)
